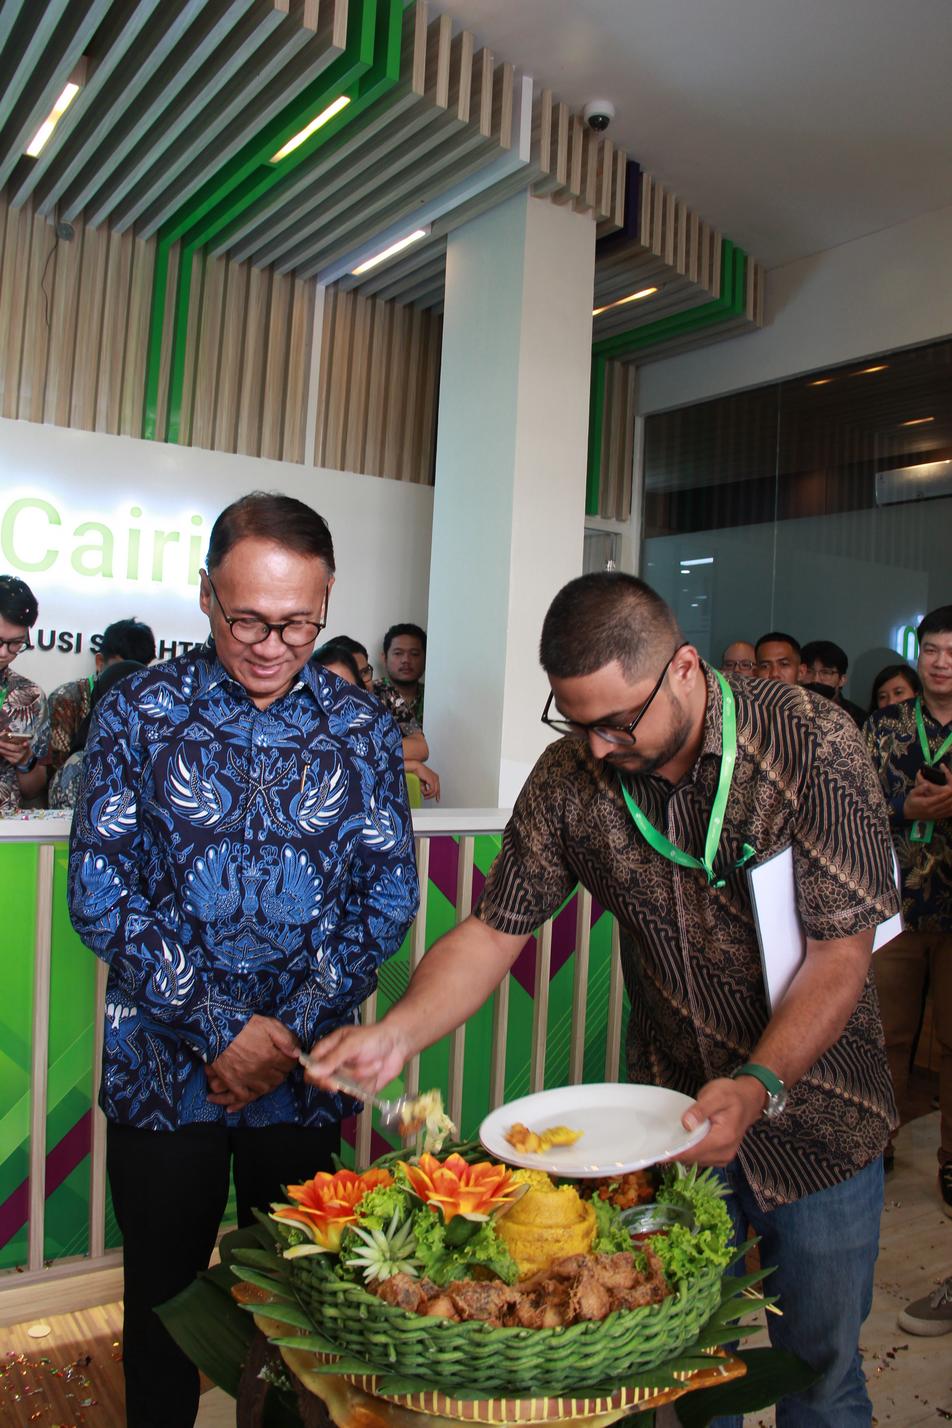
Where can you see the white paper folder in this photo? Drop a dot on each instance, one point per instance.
(783, 942)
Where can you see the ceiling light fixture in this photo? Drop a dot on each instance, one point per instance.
(390, 252)
(42, 136)
(309, 129)
(917, 421)
(820, 382)
(632, 297)
(864, 371)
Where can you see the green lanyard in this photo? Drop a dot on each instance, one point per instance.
(715, 826)
(923, 829)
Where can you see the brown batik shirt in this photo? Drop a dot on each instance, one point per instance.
(690, 954)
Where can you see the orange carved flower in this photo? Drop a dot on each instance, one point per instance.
(456, 1188)
(327, 1203)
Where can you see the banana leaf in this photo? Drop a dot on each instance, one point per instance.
(771, 1374)
(210, 1328)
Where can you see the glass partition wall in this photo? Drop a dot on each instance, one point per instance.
(821, 506)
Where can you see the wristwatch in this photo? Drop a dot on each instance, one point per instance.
(28, 767)
(776, 1090)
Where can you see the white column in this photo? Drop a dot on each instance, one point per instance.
(509, 505)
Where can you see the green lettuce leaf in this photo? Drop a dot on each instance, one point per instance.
(684, 1252)
(378, 1207)
(610, 1234)
(443, 1262)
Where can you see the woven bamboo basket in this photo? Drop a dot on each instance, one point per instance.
(449, 1355)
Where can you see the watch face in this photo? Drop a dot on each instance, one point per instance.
(776, 1104)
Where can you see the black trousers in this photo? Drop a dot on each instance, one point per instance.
(169, 1190)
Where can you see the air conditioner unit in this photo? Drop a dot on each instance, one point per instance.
(914, 483)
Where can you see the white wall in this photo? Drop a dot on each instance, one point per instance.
(888, 290)
(381, 532)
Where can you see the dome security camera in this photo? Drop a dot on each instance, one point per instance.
(598, 114)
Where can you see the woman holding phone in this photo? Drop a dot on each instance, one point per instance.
(24, 717)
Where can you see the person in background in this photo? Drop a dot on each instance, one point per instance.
(778, 657)
(70, 703)
(404, 654)
(364, 668)
(911, 748)
(894, 685)
(798, 1102)
(242, 859)
(64, 784)
(24, 714)
(739, 658)
(826, 664)
(335, 656)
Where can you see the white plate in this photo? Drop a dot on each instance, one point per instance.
(623, 1128)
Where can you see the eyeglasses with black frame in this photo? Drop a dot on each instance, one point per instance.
(249, 630)
(15, 646)
(621, 734)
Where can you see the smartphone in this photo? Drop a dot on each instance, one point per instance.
(933, 773)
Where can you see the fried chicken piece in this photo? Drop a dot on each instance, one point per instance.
(404, 1292)
(650, 1287)
(442, 1307)
(616, 1271)
(475, 1300)
(568, 1266)
(589, 1298)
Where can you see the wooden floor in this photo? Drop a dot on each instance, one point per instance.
(72, 1377)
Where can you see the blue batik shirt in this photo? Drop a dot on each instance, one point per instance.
(227, 860)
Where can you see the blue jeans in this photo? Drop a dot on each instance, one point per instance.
(824, 1248)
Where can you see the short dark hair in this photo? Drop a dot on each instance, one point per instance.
(825, 652)
(333, 652)
(267, 515)
(17, 602)
(894, 671)
(603, 617)
(937, 622)
(395, 631)
(355, 647)
(777, 637)
(128, 640)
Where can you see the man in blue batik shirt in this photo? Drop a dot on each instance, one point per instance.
(242, 858)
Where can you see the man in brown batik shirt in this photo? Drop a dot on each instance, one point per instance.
(799, 1102)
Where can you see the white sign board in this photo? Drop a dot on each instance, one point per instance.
(105, 528)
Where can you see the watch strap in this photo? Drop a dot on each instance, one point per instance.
(771, 1083)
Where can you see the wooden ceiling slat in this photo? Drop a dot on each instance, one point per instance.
(334, 197)
(223, 123)
(89, 143)
(23, 51)
(266, 236)
(437, 170)
(194, 118)
(373, 126)
(210, 28)
(42, 88)
(119, 33)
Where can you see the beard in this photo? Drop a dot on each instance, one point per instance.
(676, 736)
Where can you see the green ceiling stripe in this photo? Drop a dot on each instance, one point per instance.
(596, 420)
(371, 65)
(731, 304)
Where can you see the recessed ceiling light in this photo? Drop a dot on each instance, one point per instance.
(318, 123)
(42, 136)
(917, 421)
(620, 302)
(820, 382)
(390, 252)
(864, 371)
